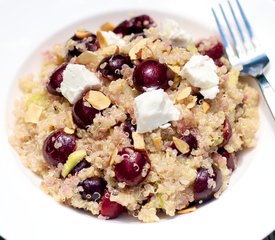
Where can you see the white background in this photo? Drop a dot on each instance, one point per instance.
(245, 211)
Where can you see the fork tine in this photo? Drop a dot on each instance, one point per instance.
(224, 39)
(237, 22)
(228, 48)
(228, 26)
(236, 45)
(246, 22)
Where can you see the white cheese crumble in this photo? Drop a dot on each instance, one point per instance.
(200, 71)
(210, 93)
(165, 126)
(113, 39)
(171, 30)
(153, 109)
(76, 79)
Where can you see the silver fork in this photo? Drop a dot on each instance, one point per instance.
(243, 49)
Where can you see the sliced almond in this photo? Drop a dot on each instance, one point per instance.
(175, 68)
(192, 103)
(33, 113)
(108, 26)
(110, 50)
(113, 157)
(135, 51)
(184, 93)
(187, 210)
(97, 99)
(157, 141)
(138, 141)
(82, 34)
(101, 39)
(109, 38)
(88, 57)
(70, 121)
(205, 107)
(181, 145)
(68, 130)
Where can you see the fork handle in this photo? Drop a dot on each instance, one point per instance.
(268, 93)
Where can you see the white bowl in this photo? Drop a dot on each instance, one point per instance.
(244, 211)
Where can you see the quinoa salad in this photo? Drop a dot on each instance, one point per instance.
(135, 118)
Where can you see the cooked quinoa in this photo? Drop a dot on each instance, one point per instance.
(181, 156)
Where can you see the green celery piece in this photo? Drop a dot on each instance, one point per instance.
(39, 98)
(73, 159)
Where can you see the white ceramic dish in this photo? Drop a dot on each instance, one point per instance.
(245, 211)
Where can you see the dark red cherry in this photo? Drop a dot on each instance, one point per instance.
(227, 132)
(134, 25)
(81, 165)
(93, 189)
(56, 79)
(92, 43)
(134, 167)
(58, 146)
(191, 140)
(230, 163)
(215, 52)
(80, 45)
(110, 209)
(128, 128)
(201, 190)
(110, 67)
(200, 97)
(151, 74)
(83, 113)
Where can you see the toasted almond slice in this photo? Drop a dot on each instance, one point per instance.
(108, 26)
(205, 107)
(188, 210)
(33, 113)
(70, 121)
(135, 50)
(110, 50)
(157, 141)
(101, 39)
(192, 103)
(82, 34)
(138, 141)
(113, 157)
(97, 99)
(175, 68)
(109, 38)
(88, 57)
(184, 93)
(181, 145)
(68, 130)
